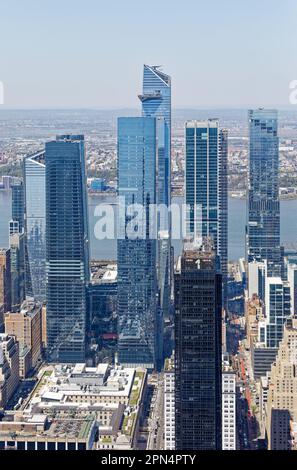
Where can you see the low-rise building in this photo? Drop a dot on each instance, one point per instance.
(9, 368)
(114, 395)
(21, 431)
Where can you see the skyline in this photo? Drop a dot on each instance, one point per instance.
(148, 258)
(100, 62)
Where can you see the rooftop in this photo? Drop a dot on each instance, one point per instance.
(23, 425)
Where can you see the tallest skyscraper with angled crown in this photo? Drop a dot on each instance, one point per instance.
(156, 102)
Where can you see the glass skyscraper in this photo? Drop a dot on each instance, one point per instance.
(137, 274)
(263, 227)
(17, 204)
(198, 349)
(67, 256)
(34, 182)
(206, 186)
(156, 102)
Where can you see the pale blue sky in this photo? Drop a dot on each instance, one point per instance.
(89, 53)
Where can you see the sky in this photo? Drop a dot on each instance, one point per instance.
(90, 53)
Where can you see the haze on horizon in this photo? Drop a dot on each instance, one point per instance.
(90, 54)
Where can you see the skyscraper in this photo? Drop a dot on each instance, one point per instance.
(34, 180)
(198, 374)
(17, 204)
(17, 268)
(5, 280)
(282, 391)
(277, 309)
(67, 257)
(156, 102)
(137, 275)
(206, 186)
(17, 245)
(292, 279)
(263, 228)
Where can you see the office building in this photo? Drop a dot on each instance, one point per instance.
(41, 432)
(228, 408)
(257, 272)
(169, 404)
(292, 280)
(156, 102)
(35, 265)
(9, 368)
(206, 186)
(112, 394)
(5, 279)
(137, 250)
(102, 309)
(18, 203)
(198, 371)
(26, 326)
(263, 226)
(17, 267)
(277, 310)
(67, 243)
(282, 391)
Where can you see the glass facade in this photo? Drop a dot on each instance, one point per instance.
(17, 204)
(67, 256)
(198, 351)
(137, 277)
(156, 102)
(34, 180)
(278, 309)
(263, 228)
(17, 269)
(206, 186)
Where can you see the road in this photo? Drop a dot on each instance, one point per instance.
(156, 419)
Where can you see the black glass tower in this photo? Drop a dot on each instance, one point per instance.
(67, 258)
(198, 297)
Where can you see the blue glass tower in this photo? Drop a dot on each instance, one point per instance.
(207, 188)
(156, 102)
(67, 256)
(137, 277)
(34, 180)
(263, 228)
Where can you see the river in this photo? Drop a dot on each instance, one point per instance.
(106, 249)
